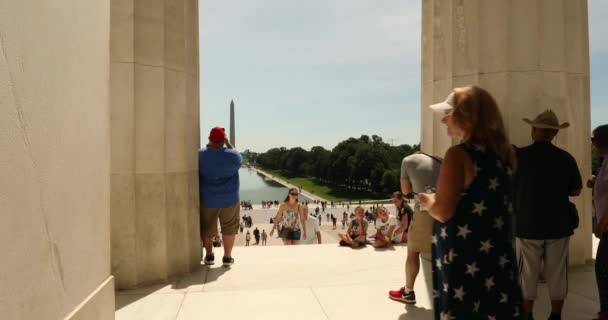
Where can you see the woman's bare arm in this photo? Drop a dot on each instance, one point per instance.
(277, 219)
(303, 214)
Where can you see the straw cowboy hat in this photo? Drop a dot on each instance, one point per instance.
(547, 120)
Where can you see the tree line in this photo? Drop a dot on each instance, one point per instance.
(367, 164)
(364, 164)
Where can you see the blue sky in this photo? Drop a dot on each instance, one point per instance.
(315, 72)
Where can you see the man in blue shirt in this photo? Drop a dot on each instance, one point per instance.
(218, 174)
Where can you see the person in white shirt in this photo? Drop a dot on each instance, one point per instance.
(385, 227)
(312, 227)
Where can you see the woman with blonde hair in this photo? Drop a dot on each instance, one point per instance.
(385, 228)
(474, 271)
(292, 217)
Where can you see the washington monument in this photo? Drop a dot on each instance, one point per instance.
(232, 133)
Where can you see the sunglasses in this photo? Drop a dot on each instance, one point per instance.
(294, 194)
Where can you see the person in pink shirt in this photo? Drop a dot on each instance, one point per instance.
(600, 206)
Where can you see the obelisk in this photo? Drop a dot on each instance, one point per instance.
(232, 133)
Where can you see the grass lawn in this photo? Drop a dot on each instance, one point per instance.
(325, 191)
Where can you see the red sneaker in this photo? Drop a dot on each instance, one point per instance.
(401, 296)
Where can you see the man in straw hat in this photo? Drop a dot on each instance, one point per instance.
(546, 177)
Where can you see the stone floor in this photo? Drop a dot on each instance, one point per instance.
(311, 282)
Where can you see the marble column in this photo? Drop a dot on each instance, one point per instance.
(154, 140)
(55, 161)
(531, 55)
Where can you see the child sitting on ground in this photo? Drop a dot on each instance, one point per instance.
(357, 231)
(385, 227)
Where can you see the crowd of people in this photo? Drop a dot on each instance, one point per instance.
(493, 216)
(267, 204)
(247, 205)
(257, 236)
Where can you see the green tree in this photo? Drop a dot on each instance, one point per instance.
(390, 181)
(366, 163)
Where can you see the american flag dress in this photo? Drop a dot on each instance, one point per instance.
(474, 270)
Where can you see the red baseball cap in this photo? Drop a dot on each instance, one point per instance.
(217, 134)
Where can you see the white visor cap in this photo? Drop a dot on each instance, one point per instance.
(447, 105)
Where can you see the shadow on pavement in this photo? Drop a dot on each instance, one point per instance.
(413, 312)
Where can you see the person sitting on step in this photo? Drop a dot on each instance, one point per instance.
(385, 227)
(356, 232)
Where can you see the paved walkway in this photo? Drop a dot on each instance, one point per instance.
(314, 282)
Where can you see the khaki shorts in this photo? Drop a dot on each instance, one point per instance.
(420, 234)
(554, 254)
(229, 220)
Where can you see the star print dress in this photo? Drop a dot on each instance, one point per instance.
(474, 271)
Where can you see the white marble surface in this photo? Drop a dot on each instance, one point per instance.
(312, 282)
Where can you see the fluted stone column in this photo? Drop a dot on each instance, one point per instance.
(531, 55)
(155, 138)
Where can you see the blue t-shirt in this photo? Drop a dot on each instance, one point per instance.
(218, 176)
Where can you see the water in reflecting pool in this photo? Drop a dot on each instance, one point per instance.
(256, 187)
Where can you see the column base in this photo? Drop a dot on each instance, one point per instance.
(99, 305)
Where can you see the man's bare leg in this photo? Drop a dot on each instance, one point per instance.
(228, 244)
(412, 268)
(208, 245)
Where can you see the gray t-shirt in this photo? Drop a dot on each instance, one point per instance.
(421, 170)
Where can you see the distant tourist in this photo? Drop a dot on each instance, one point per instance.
(355, 235)
(256, 235)
(385, 227)
(312, 229)
(474, 267)
(344, 219)
(292, 217)
(334, 222)
(546, 177)
(217, 241)
(247, 238)
(264, 237)
(320, 219)
(218, 166)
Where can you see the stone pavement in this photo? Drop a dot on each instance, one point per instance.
(320, 282)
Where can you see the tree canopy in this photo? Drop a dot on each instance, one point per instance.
(366, 163)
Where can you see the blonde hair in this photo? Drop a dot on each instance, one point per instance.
(477, 114)
(381, 209)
